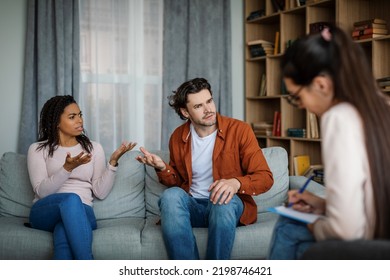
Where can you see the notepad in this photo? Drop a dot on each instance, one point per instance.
(288, 212)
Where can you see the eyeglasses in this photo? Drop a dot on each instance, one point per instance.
(294, 99)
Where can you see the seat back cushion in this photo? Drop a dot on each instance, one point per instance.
(153, 188)
(126, 198)
(16, 194)
(277, 160)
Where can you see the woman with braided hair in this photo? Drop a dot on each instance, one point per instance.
(66, 170)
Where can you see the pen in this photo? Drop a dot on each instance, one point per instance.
(303, 188)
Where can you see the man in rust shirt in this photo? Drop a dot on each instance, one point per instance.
(215, 167)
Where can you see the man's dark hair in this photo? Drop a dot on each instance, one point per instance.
(178, 99)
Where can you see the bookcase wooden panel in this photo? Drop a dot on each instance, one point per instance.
(265, 109)
(306, 147)
(273, 74)
(381, 57)
(291, 117)
(293, 22)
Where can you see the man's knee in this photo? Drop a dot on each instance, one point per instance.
(226, 213)
(171, 195)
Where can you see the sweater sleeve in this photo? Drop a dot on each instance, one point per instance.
(43, 184)
(103, 173)
(346, 172)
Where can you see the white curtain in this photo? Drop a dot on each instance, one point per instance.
(121, 71)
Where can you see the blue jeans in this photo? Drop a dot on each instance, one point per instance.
(71, 222)
(180, 212)
(290, 240)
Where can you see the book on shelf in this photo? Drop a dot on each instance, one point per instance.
(263, 85)
(365, 31)
(276, 129)
(289, 43)
(256, 51)
(296, 132)
(384, 83)
(370, 21)
(313, 130)
(278, 5)
(384, 79)
(260, 48)
(301, 164)
(256, 14)
(303, 167)
(260, 42)
(290, 4)
(262, 128)
(370, 25)
(276, 44)
(317, 171)
(368, 29)
(367, 36)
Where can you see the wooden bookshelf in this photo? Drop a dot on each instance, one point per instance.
(293, 22)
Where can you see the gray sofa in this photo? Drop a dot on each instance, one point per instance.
(127, 218)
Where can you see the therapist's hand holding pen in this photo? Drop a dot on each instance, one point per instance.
(304, 201)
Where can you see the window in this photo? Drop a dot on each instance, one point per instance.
(121, 71)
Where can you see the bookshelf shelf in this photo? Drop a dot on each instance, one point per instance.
(293, 22)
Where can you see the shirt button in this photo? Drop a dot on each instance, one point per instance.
(253, 193)
(168, 170)
(243, 192)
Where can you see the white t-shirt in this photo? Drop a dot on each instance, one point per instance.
(350, 210)
(202, 163)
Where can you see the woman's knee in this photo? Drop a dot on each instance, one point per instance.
(71, 199)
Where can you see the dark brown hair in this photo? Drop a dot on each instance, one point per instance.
(345, 62)
(179, 97)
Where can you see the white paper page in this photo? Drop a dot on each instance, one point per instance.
(296, 215)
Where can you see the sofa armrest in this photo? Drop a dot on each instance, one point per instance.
(297, 182)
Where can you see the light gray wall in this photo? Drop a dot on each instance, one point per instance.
(13, 15)
(12, 37)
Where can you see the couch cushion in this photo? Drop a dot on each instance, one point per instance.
(153, 188)
(113, 239)
(127, 196)
(118, 239)
(251, 242)
(16, 194)
(277, 160)
(18, 242)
